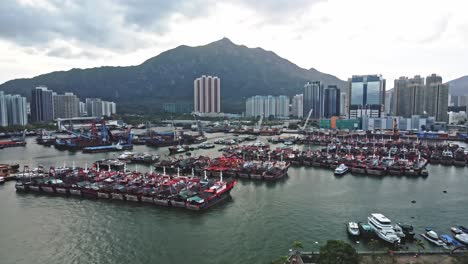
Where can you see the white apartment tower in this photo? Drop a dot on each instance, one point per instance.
(207, 94)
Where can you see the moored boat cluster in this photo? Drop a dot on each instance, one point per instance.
(378, 225)
(190, 192)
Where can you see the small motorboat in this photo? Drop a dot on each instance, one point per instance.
(462, 238)
(353, 229)
(407, 230)
(2, 180)
(456, 230)
(341, 170)
(432, 237)
(449, 240)
(399, 231)
(365, 230)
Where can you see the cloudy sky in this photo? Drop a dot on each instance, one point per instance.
(341, 37)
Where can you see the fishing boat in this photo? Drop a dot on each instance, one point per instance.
(447, 158)
(205, 145)
(341, 170)
(459, 157)
(178, 149)
(353, 229)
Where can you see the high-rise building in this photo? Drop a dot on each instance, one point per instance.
(282, 106)
(3, 110)
(42, 109)
(83, 111)
(408, 95)
(66, 105)
(297, 107)
(343, 104)
(366, 96)
(13, 110)
(331, 104)
(207, 94)
(313, 99)
(276, 106)
(17, 110)
(108, 108)
(436, 98)
(94, 107)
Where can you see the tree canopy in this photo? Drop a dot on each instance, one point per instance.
(338, 252)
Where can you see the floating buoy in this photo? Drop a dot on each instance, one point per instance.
(444, 191)
(414, 201)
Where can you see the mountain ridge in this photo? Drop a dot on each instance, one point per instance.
(168, 77)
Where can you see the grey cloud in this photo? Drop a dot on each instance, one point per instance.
(439, 30)
(68, 53)
(115, 25)
(279, 8)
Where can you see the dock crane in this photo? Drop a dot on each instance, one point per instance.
(199, 126)
(307, 120)
(259, 124)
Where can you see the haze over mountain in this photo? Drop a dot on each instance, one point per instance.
(459, 86)
(169, 77)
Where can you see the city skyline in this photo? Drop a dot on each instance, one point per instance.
(36, 46)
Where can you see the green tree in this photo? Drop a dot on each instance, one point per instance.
(281, 260)
(338, 252)
(373, 244)
(296, 245)
(420, 245)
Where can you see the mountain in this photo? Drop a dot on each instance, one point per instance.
(459, 86)
(168, 77)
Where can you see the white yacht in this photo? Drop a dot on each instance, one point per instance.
(382, 226)
(340, 170)
(353, 229)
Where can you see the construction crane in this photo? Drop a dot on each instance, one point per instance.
(307, 120)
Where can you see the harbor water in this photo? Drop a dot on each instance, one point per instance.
(257, 225)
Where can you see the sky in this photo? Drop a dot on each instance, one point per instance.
(341, 37)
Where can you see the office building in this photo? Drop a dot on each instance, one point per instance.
(366, 96)
(207, 94)
(331, 104)
(42, 109)
(275, 106)
(313, 99)
(66, 105)
(297, 106)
